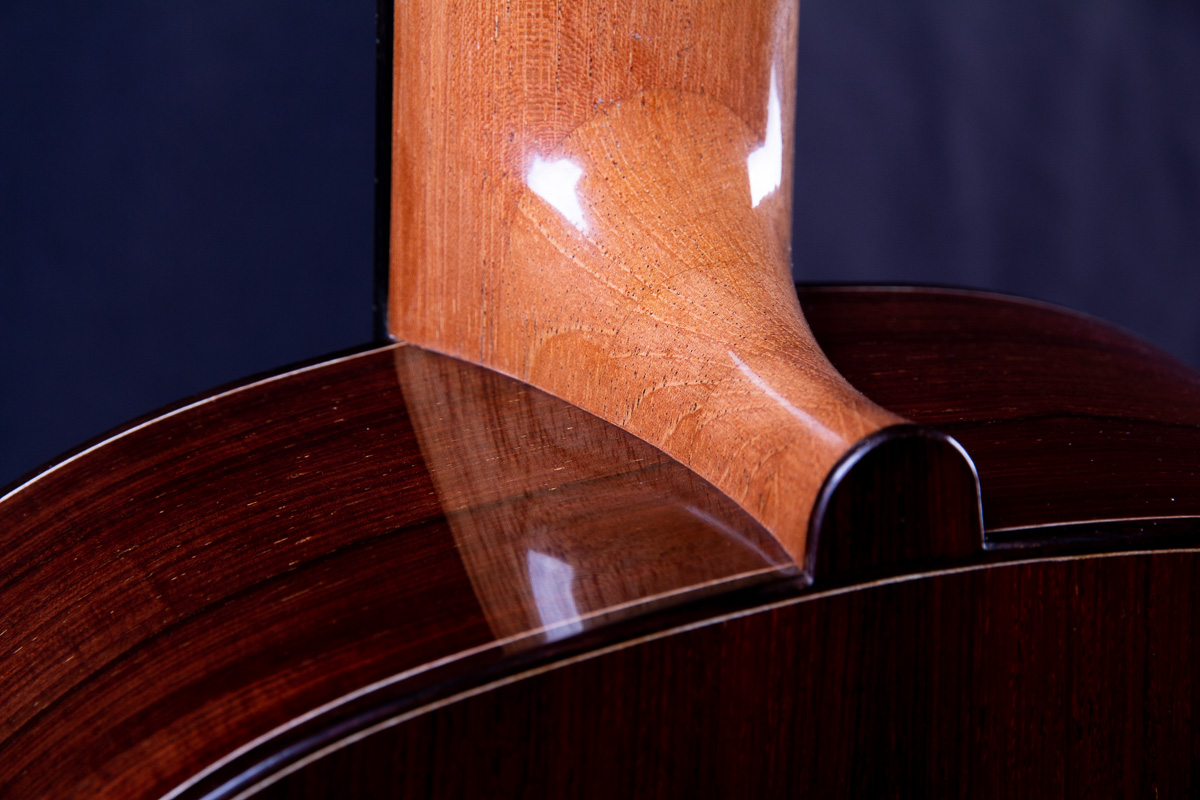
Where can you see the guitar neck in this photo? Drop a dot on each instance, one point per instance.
(596, 199)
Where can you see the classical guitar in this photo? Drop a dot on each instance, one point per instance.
(619, 513)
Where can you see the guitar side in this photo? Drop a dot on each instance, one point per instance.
(620, 513)
(269, 590)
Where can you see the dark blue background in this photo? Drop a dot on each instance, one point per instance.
(186, 187)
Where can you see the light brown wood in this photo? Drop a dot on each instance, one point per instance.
(595, 198)
(531, 488)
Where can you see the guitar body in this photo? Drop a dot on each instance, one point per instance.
(397, 574)
(1049, 678)
(616, 513)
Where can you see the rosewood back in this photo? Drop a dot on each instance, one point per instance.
(642, 538)
(266, 582)
(220, 574)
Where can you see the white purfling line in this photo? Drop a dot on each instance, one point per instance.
(780, 569)
(502, 682)
(405, 675)
(754, 378)
(189, 407)
(1099, 521)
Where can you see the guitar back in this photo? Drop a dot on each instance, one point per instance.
(619, 513)
(284, 587)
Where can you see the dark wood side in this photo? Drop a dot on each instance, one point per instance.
(151, 584)
(277, 562)
(240, 565)
(1069, 677)
(1073, 678)
(1070, 421)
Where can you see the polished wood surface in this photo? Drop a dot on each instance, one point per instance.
(904, 498)
(1073, 678)
(1073, 424)
(218, 595)
(609, 522)
(522, 479)
(215, 575)
(595, 198)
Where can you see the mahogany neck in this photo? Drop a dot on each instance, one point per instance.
(595, 198)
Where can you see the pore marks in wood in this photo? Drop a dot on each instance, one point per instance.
(217, 575)
(563, 519)
(584, 202)
(1071, 678)
(667, 308)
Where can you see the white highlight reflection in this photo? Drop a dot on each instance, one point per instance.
(809, 420)
(554, 182)
(553, 594)
(765, 164)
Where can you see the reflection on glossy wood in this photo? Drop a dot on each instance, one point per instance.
(227, 571)
(1069, 420)
(1027, 679)
(216, 594)
(1057, 679)
(596, 198)
(558, 515)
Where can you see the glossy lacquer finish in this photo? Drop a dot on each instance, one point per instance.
(932, 668)
(595, 197)
(559, 517)
(260, 558)
(1073, 678)
(266, 582)
(1077, 428)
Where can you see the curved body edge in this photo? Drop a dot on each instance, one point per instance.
(1027, 678)
(215, 581)
(247, 588)
(1078, 430)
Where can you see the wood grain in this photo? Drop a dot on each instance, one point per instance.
(527, 482)
(215, 575)
(1071, 678)
(905, 498)
(1071, 422)
(219, 592)
(595, 198)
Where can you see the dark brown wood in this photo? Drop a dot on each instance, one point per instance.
(1068, 420)
(212, 597)
(904, 498)
(1049, 679)
(1073, 678)
(134, 574)
(218, 574)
